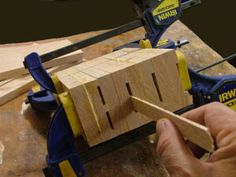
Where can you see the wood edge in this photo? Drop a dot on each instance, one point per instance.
(18, 72)
(209, 146)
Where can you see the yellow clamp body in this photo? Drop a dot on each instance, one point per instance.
(65, 99)
(145, 43)
(162, 42)
(182, 63)
(183, 71)
(69, 108)
(35, 88)
(57, 83)
(67, 103)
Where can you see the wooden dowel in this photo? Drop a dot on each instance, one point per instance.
(194, 132)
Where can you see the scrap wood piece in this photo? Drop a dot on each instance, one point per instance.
(10, 89)
(194, 132)
(12, 57)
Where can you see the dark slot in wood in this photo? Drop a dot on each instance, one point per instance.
(129, 89)
(101, 95)
(157, 86)
(109, 119)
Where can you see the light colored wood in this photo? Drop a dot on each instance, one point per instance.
(194, 132)
(122, 74)
(107, 101)
(12, 57)
(101, 90)
(10, 89)
(86, 114)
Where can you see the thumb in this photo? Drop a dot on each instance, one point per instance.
(174, 152)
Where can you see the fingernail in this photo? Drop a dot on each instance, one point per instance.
(161, 125)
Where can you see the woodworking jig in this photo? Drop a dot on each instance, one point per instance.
(113, 100)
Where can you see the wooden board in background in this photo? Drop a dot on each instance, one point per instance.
(12, 88)
(12, 57)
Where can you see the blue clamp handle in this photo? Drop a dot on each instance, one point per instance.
(60, 144)
(208, 89)
(60, 141)
(157, 28)
(42, 100)
(33, 63)
(155, 33)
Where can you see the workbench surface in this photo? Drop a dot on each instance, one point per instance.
(23, 132)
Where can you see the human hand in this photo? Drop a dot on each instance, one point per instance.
(178, 157)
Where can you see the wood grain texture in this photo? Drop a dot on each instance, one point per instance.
(10, 89)
(12, 57)
(101, 90)
(194, 132)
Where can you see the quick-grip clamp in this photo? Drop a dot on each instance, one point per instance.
(62, 159)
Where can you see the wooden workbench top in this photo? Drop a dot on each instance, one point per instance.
(23, 132)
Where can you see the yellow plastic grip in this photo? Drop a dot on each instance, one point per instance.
(145, 44)
(183, 71)
(66, 169)
(57, 83)
(69, 108)
(35, 88)
(162, 42)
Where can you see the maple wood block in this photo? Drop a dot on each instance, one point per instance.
(101, 90)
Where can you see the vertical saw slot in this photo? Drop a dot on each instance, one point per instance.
(154, 78)
(129, 89)
(109, 120)
(103, 101)
(101, 95)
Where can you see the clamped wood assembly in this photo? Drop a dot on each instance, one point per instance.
(119, 92)
(112, 95)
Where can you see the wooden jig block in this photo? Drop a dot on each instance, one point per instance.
(106, 92)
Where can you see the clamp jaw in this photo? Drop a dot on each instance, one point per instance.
(62, 159)
(40, 97)
(157, 17)
(207, 89)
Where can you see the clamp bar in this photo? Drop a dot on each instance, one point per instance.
(90, 41)
(99, 38)
(229, 58)
(189, 3)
